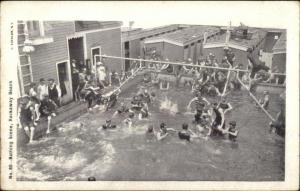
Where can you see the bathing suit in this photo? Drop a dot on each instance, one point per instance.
(232, 137)
(26, 117)
(123, 109)
(110, 126)
(256, 67)
(184, 135)
(224, 106)
(217, 122)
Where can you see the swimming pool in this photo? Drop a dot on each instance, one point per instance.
(80, 149)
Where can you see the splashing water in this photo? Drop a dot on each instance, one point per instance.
(168, 106)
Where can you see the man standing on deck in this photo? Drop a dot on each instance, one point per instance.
(54, 92)
(254, 66)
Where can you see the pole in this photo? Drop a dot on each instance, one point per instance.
(175, 63)
(266, 112)
(226, 84)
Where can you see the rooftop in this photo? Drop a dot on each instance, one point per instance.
(256, 37)
(93, 25)
(280, 45)
(188, 34)
(149, 32)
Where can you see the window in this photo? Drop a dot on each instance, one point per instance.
(35, 28)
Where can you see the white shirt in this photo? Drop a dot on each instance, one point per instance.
(101, 73)
(42, 91)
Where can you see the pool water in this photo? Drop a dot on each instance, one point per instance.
(80, 149)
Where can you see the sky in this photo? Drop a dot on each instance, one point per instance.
(157, 13)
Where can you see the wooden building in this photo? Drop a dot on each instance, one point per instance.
(46, 49)
(132, 40)
(180, 45)
(239, 46)
(279, 54)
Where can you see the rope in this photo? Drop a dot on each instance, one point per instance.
(175, 63)
(123, 83)
(182, 64)
(255, 99)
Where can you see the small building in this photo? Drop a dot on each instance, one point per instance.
(180, 45)
(46, 49)
(238, 41)
(132, 40)
(279, 54)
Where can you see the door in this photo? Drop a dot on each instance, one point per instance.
(64, 82)
(127, 55)
(95, 51)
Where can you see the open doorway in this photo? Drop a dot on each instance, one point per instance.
(95, 51)
(64, 82)
(77, 62)
(127, 55)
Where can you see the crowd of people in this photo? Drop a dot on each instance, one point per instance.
(89, 84)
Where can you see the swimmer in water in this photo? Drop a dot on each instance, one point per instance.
(144, 112)
(218, 125)
(202, 121)
(128, 121)
(108, 125)
(122, 109)
(232, 131)
(186, 134)
(226, 106)
(163, 131)
(197, 99)
(150, 133)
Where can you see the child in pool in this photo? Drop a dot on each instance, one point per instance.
(185, 133)
(128, 121)
(108, 125)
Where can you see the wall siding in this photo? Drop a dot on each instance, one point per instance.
(279, 61)
(173, 52)
(110, 42)
(134, 48)
(45, 56)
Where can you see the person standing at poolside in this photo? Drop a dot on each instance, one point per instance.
(54, 92)
(265, 101)
(26, 117)
(42, 89)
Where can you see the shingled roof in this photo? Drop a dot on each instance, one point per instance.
(187, 35)
(257, 36)
(280, 45)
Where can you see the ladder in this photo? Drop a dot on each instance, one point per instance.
(24, 64)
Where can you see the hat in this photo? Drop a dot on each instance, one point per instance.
(233, 123)
(99, 63)
(189, 59)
